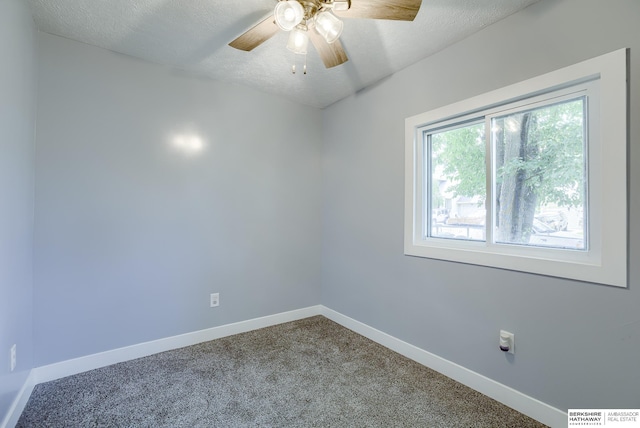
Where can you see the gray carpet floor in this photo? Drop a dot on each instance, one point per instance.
(307, 373)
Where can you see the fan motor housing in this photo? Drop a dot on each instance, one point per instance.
(311, 7)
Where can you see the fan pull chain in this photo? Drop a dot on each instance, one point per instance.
(293, 66)
(304, 66)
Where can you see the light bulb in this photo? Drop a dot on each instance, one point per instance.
(289, 15)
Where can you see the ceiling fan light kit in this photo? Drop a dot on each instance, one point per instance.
(328, 26)
(298, 41)
(315, 20)
(288, 14)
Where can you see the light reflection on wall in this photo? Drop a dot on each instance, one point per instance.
(189, 144)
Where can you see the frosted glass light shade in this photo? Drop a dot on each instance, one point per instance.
(298, 41)
(288, 14)
(328, 26)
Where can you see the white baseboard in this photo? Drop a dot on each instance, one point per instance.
(12, 416)
(529, 406)
(523, 403)
(102, 359)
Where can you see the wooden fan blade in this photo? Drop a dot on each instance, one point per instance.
(400, 10)
(331, 54)
(256, 35)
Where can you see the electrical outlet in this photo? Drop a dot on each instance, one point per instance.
(507, 342)
(214, 300)
(13, 357)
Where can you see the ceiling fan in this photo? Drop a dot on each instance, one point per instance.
(317, 20)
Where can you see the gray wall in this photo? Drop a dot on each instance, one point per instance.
(577, 344)
(131, 235)
(17, 119)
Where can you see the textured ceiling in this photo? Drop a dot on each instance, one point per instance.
(193, 36)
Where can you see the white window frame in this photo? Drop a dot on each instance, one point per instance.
(605, 261)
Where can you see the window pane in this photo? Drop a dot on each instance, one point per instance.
(456, 192)
(540, 176)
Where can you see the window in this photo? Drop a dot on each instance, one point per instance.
(531, 177)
